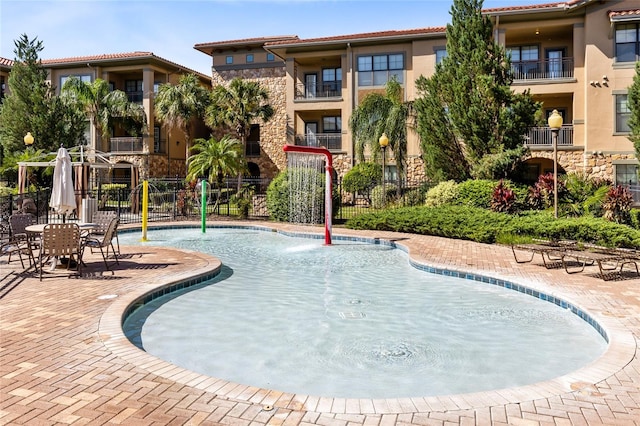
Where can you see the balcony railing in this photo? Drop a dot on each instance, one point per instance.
(319, 91)
(550, 69)
(135, 96)
(331, 141)
(126, 144)
(542, 137)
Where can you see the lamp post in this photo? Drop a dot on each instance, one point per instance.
(555, 123)
(28, 139)
(384, 142)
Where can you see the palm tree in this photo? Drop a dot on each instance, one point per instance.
(177, 105)
(378, 114)
(105, 107)
(215, 159)
(238, 106)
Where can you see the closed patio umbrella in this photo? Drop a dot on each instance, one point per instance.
(63, 199)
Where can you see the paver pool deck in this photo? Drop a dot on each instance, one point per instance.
(64, 360)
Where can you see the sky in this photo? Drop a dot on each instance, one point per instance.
(170, 28)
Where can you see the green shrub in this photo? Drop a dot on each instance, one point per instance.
(278, 197)
(362, 177)
(443, 193)
(476, 193)
(383, 195)
(484, 226)
(635, 218)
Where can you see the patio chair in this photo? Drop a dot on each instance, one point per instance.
(104, 242)
(20, 241)
(102, 218)
(61, 239)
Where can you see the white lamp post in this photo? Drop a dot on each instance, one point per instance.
(384, 142)
(555, 123)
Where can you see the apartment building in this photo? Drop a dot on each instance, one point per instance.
(576, 56)
(160, 152)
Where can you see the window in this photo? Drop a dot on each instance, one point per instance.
(626, 174)
(627, 43)
(524, 60)
(332, 81)
(249, 58)
(156, 139)
(156, 88)
(229, 60)
(253, 141)
(86, 78)
(133, 89)
(332, 124)
(270, 57)
(441, 53)
(622, 114)
(377, 70)
(332, 127)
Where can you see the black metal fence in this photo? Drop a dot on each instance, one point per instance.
(172, 200)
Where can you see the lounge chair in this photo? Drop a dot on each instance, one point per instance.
(552, 249)
(611, 262)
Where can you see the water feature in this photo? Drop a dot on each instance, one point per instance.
(306, 188)
(352, 320)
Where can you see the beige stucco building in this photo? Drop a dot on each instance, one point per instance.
(577, 57)
(161, 151)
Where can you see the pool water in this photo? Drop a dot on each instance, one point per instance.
(351, 320)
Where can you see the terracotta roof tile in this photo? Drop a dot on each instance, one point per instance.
(114, 57)
(529, 7)
(6, 62)
(623, 13)
(255, 40)
(379, 34)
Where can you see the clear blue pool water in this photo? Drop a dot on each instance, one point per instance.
(351, 320)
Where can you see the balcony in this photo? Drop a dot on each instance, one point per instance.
(541, 137)
(331, 141)
(125, 144)
(319, 91)
(550, 69)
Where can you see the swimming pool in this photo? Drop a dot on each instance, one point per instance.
(352, 320)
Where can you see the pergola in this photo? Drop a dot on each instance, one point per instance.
(82, 163)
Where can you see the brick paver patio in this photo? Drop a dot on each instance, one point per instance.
(64, 360)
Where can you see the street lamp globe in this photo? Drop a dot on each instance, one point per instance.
(555, 120)
(383, 141)
(28, 139)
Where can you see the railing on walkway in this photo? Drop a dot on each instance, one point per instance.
(542, 137)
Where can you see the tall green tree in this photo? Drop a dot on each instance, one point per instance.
(177, 105)
(105, 107)
(32, 106)
(474, 81)
(633, 102)
(377, 114)
(214, 159)
(238, 106)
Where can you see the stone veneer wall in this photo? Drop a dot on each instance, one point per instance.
(593, 165)
(273, 134)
